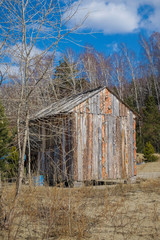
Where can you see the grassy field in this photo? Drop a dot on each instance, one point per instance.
(149, 170)
(123, 211)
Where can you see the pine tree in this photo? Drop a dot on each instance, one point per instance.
(4, 133)
(151, 123)
(5, 138)
(148, 153)
(11, 163)
(65, 77)
(68, 80)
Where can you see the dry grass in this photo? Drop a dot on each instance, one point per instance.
(101, 212)
(140, 157)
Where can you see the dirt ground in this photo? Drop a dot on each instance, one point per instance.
(148, 170)
(108, 212)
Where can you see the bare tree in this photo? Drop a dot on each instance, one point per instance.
(37, 27)
(90, 66)
(105, 69)
(148, 53)
(132, 67)
(5, 24)
(118, 74)
(96, 67)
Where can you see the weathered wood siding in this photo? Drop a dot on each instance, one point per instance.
(105, 137)
(96, 141)
(57, 149)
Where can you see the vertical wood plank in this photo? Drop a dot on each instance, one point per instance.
(132, 142)
(106, 148)
(99, 147)
(75, 131)
(134, 137)
(80, 159)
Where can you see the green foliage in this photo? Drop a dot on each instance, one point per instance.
(67, 78)
(8, 157)
(4, 133)
(151, 123)
(64, 75)
(11, 163)
(148, 153)
(148, 128)
(131, 102)
(139, 142)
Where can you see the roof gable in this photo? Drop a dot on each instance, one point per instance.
(66, 105)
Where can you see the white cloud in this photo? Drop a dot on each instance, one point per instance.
(154, 20)
(112, 47)
(9, 70)
(116, 16)
(14, 54)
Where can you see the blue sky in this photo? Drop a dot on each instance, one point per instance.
(108, 23)
(111, 22)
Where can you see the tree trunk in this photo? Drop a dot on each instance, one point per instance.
(29, 159)
(21, 159)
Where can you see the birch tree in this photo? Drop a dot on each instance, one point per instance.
(132, 69)
(118, 73)
(37, 27)
(148, 53)
(4, 34)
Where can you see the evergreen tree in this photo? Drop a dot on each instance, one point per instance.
(67, 79)
(151, 123)
(11, 163)
(4, 133)
(148, 153)
(8, 157)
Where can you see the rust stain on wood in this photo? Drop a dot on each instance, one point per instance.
(97, 141)
(103, 148)
(134, 139)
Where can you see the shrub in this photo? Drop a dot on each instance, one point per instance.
(9, 164)
(149, 153)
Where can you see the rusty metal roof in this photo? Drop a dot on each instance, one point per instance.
(66, 105)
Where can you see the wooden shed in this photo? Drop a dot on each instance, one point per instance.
(89, 136)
